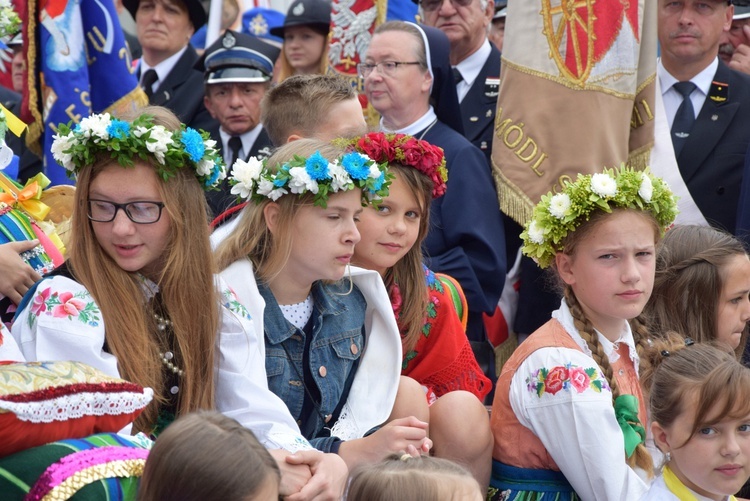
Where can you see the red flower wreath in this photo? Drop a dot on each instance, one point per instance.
(409, 151)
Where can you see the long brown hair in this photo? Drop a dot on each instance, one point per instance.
(285, 67)
(131, 331)
(251, 238)
(641, 457)
(689, 283)
(206, 455)
(408, 272)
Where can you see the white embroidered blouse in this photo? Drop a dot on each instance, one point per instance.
(575, 420)
(63, 322)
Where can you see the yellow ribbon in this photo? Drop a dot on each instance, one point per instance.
(26, 198)
(15, 124)
(677, 488)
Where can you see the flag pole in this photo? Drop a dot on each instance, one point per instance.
(214, 21)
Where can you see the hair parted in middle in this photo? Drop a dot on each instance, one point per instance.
(689, 282)
(252, 238)
(132, 332)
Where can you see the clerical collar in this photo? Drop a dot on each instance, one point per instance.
(414, 128)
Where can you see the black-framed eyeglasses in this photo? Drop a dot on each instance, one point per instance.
(433, 5)
(140, 212)
(387, 68)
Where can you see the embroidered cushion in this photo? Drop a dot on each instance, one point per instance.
(103, 466)
(41, 402)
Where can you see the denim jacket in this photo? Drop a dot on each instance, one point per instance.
(336, 345)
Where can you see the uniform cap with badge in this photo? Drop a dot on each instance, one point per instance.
(196, 11)
(741, 11)
(313, 13)
(501, 9)
(238, 58)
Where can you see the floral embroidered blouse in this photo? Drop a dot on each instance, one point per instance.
(560, 395)
(63, 322)
(442, 360)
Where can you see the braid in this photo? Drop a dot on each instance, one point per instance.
(586, 330)
(641, 336)
(641, 457)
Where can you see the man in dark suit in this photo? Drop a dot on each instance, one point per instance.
(166, 72)
(475, 61)
(238, 71)
(707, 105)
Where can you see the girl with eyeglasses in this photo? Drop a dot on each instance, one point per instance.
(138, 298)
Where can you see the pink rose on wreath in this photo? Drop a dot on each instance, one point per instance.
(69, 306)
(40, 302)
(555, 379)
(579, 379)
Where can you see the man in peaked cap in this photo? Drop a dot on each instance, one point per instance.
(238, 69)
(734, 49)
(165, 71)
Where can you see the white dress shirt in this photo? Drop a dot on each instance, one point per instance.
(673, 99)
(162, 69)
(470, 68)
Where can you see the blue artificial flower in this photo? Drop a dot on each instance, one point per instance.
(378, 182)
(77, 128)
(355, 165)
(317, 167)
(118, 128)
(214, 177)
(193, 143)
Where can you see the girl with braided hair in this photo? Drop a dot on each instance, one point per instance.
(568, 416)
(702, 287)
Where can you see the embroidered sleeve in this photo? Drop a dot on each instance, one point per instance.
(566, 377)
(561, 396)
(63, 322)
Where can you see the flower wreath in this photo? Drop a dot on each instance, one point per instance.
(10, 23)
(315, 174)
(408, 151)
(77, 147)
(558, 214)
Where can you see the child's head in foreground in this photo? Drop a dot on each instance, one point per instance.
(206, 455)
(423, 478)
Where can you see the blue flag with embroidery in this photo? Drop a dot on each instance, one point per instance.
(83, 65)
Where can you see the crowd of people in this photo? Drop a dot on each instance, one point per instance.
(309, 297)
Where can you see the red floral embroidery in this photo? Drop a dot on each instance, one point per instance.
(70, 306)
(40, 302)
(555, 379)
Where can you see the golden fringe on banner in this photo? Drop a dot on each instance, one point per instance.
(36, 128)
(513, 202)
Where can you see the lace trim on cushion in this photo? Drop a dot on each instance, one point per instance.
(78, 405)
(64, 478)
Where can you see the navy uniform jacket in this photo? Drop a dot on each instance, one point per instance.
(182, 92)
(711, 162)
(221, 200)
(466, 238)
(479, 106)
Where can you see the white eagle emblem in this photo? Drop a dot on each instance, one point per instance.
(351, 35)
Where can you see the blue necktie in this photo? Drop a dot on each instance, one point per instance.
(685, 117)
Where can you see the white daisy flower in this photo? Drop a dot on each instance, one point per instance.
(559, 205)
(59, 145)
(536, 234)
(301, 181)
(267, 189)
(95, 126)
(603, 185)
(340, 179)
(205, 166)
(247, 175)
(159, 142)
(374, 171)
(646, 190)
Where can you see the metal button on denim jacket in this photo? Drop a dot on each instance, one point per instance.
(337, 342)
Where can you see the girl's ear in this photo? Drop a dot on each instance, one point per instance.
(271, 215)
(661, 437)
(564, 264)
